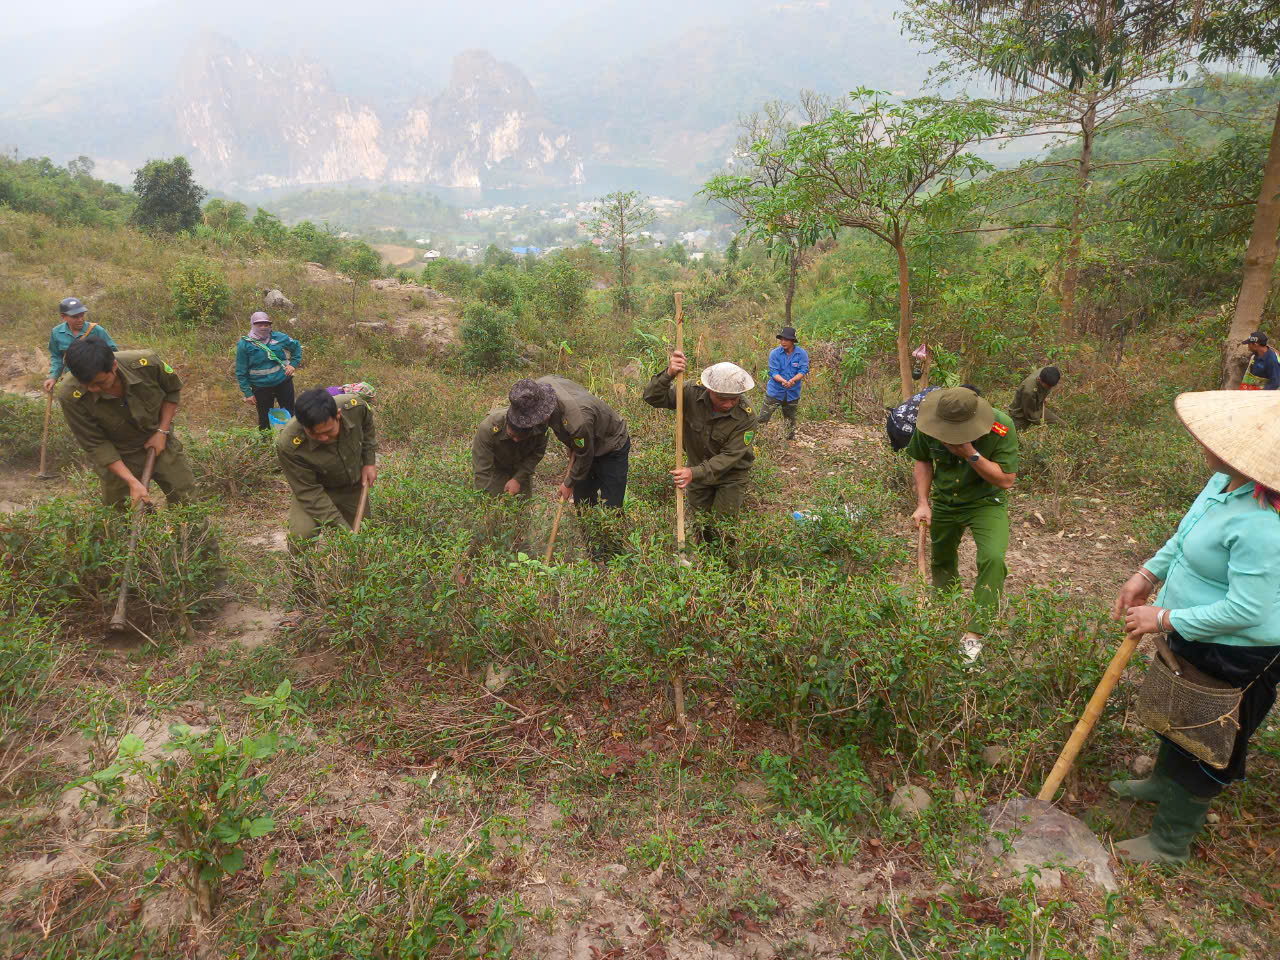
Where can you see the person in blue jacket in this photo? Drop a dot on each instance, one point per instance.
(1264, 366)
(788, 366)
(265, 363)
(75, 325)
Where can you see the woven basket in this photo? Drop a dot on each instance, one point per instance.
(1199, 713)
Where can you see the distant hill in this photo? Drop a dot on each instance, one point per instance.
(306, 93)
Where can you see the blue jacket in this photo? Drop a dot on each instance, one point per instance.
(62, 337)
(1267, 367)
(261, 364)
(786, 365)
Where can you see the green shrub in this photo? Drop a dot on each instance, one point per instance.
(201, 294)
(487, 338)
(71, 554)
(22, 426)
(201, 800)
(226, 462)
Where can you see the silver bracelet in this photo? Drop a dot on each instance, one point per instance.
(1147, 577)
(1162, 618)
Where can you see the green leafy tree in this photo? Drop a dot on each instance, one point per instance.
(1235, 31)
(360, 264)
(168, 196)
(1064, 68)
(226, 216)
(619, 218)
(867, 164)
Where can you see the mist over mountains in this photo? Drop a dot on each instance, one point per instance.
(494, 95)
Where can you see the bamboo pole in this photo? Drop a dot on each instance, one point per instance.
(555, 526)
(364, 502)
(680, 423)
(1091, 713)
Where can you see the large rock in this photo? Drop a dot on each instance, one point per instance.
(909, 801)
(1039, 835)
(275, 300)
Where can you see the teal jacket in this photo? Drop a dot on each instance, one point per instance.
(62, 337)
(261, 364)
(1221, 569)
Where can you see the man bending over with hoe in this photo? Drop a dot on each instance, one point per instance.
(119, 406)
(966, 457)
(328, 452)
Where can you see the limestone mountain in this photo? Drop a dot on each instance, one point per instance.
(251, 122)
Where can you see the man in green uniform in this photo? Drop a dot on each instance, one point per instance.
(966, 457)
(119, 406)
(591, 431)
(1028, 407)
(328, 452)
(503, 460)
(718, 429)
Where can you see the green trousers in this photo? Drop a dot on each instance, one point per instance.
(303, 526)
(989, 523)
(172, 473)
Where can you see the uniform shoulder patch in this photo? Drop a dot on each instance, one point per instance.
(142, 361)
(999, 429)
(748, 436)
(580, 442)
(297, 441)
(167, 368)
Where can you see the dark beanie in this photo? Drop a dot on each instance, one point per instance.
(1050, 376)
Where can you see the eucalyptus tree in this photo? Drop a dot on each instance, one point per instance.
(619, 218)
(1065, 69)
(867, 164)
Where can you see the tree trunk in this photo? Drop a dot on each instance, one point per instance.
(791, 281)
(1259, 262)
(1071, 271)
(904, 317)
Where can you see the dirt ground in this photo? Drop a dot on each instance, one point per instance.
(756, 893)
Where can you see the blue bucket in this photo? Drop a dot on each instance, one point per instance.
(278, 417)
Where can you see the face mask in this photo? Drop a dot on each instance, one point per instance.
(260, 333)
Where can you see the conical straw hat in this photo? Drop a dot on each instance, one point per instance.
(1240, 427)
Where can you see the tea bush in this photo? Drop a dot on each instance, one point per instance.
(22, 426)
(229, 462)
(71, 554)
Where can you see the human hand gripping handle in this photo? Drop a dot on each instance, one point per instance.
(677, 364)
(1134, 593)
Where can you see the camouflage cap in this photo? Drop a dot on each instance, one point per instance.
(532, 404)
(727, 379)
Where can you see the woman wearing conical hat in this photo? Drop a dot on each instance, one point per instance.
(1219, 603)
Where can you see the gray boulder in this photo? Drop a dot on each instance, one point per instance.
(909, 801)
(1040, 836)
(275, 300)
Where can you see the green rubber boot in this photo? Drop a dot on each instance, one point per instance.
(1153, 789)
(1178, 821)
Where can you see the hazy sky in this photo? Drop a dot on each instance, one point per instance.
(52, 14)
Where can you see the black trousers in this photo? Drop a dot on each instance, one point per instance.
(1239, 666)
(265, 397)
(607, 480)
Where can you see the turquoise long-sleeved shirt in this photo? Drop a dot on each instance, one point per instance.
(61, 337)
(1221, 569)
(260, 363)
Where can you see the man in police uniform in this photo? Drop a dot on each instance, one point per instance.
(966, 457)
(75, 325)
(328, 452)
(119, 406)
(1028, 407)
(503, 460)
(718, 429)
(591, 431)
